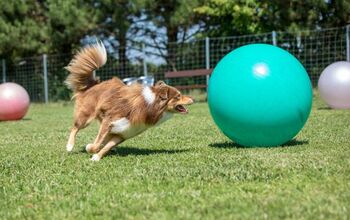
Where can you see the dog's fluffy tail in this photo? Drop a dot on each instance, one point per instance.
(83, 64)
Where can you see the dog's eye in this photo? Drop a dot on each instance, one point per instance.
(163, 97)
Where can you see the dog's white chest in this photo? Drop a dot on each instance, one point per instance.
(126, 130)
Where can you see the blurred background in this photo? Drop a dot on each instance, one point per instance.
(150, 38)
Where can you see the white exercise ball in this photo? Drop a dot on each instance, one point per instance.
(334, 85)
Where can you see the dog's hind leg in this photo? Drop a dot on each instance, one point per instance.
(80, 122)
(114, 140)
(71, 139)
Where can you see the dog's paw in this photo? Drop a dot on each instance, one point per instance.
(95, 157)
(69, 147)
(88, 148)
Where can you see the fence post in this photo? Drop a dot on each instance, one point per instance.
(46, 88)
(274, 38)
(207, 58)
(145, 70)
(3, 70)
(347, 42)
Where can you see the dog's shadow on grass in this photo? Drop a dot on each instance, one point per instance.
(228, 144)
(128, 151)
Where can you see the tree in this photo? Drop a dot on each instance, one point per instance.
(22, 28)
(231, 17)
(336, 13)
(292, 15)
(178, 20)
(237, 17)
(68, 22)
(33, 27)
(115, 18)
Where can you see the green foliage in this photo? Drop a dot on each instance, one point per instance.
(34, 27)
(172, 14)
(231, 17)
(68, 22)
(58, 91)
(182, 169)
(292, 15)
(115, 19)
(54, 26)
(177, 18)
(23, 29)
(236, 17)
(336, 13)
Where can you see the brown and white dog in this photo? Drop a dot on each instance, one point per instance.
(123, 111)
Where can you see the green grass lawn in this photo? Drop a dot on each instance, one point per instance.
(183, 169)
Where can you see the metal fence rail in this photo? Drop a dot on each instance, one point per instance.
(43, 76)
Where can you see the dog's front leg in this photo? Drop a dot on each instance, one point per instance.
(102, 137)
(110, 144)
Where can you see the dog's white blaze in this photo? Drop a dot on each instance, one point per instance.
(126, 130)
(120, 125)
(148, 95)
(134, 130)
(123, 127)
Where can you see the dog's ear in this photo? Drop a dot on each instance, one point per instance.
(163, 90)
(163, 93)
(160, 83)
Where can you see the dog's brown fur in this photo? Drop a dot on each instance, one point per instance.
(123, 111)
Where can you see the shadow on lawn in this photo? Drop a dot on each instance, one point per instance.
(294, 142)
(126, 151)
(14, 121)
(228, 144)
(324, 108)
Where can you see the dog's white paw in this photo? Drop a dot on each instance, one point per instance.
(88, 147)
(69, 147)
(95, 157)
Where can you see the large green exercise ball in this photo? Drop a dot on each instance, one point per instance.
(260, 95)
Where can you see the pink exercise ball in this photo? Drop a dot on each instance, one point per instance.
(334, 85)
(14, 101)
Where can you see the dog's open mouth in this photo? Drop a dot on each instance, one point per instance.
(182, 109)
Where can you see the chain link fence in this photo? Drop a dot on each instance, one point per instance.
(43, 76)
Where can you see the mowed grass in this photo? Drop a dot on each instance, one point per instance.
(183, 169)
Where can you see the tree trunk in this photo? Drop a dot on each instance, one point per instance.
(171, 47)
(123, 60)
